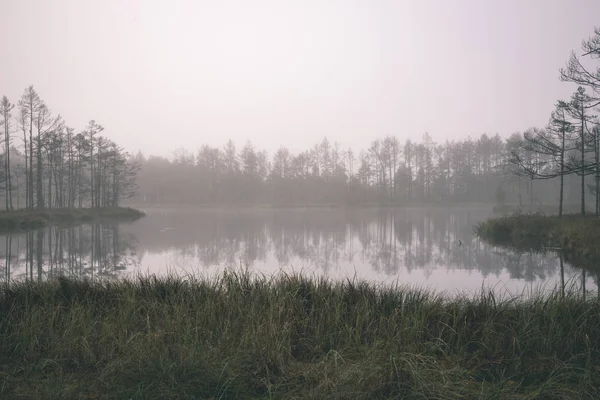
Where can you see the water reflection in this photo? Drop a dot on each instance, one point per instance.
(427, 247)
(83, 251)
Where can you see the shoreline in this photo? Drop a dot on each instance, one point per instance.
(18, 220)
(154, 206)
(573, 235)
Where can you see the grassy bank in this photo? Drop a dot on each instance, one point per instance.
(242, 337)
(575, 235)
(28, 219)
(536, 208)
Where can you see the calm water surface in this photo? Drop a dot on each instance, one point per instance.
(432, 248)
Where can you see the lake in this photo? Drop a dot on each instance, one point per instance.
(430, 248)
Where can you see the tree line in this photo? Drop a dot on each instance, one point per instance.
(45, 164)
(388, 172)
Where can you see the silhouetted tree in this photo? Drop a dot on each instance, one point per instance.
(29, 105)
(561, 127)
(578, 111)
(542, 153)
(5, 112)
(91, 131)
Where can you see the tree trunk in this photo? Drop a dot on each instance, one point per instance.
(92, 191)
(40, 184)
(26, 171)
(531, 192)
(30, 178)
(50, 168)
(562, 175)
(582, 160)
(6, 166)
(17, 187)
(597, 169)
(49, 189)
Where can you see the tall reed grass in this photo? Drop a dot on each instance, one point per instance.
(244, 336)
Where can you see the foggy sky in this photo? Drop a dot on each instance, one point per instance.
(164, 74)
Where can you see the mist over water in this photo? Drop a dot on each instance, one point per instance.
(431, 248)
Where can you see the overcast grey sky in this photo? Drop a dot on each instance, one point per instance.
(163, 74)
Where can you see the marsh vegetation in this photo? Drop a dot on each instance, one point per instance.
(248, 336)
(27, 219)
(575, 236)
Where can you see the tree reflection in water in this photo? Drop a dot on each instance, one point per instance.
(83, 251)
(337, 242)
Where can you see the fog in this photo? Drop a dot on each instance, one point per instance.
(159, 75)
(349, 137)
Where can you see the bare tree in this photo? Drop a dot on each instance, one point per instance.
(22, 120)
(408, 157)
(29, 105)
(5, 112)
(391, 155)
(379, 159)
(92, 130)
(560, 125)
(45, 124)
(544, 150)
(124, 171)
(578, 111)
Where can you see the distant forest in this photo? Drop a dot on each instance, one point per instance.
(387, 173)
